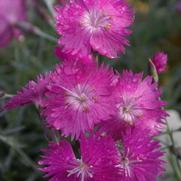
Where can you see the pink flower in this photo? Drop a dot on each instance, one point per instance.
(97, 160)
(138, 98)
(178, 6)
(33, 92)
(100, 26)
(134, 158)
(160, 60)
(79, 96)
(138, 105)
(73, 97)
(140, 157)
(11, 12)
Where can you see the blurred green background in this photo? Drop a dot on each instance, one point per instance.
(157, 27)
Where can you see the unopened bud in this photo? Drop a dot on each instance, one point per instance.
(160, 60)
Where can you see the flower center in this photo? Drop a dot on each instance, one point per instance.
(127, 163)
(95, 20)
(126, 166)
(80, 98)
(81, 170)
(128, 110)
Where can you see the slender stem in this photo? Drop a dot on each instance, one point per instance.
(28, 27)
(174, 167)
(43, 13)
(178, 169)
(50, 134)
(14, 146)
(172, 131)
(49, 5)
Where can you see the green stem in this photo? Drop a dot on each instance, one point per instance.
(14, 146)
(49, 5)
(172, 131)
(178, 167)
(28, 27)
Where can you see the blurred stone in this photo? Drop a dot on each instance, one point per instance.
(174, 122)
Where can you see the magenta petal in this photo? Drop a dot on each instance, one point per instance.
(33, 92)
(6, 33)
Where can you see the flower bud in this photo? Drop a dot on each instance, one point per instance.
(160, 60)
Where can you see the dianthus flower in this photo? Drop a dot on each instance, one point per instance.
(73, 97)
(138, 103)
(11, 12)
(140, 157)
(88, 26)
(160, 60)
(79, 96)
(97, 160)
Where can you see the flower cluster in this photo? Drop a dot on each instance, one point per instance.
(136, 157)
(16, 12)
(113, 117)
